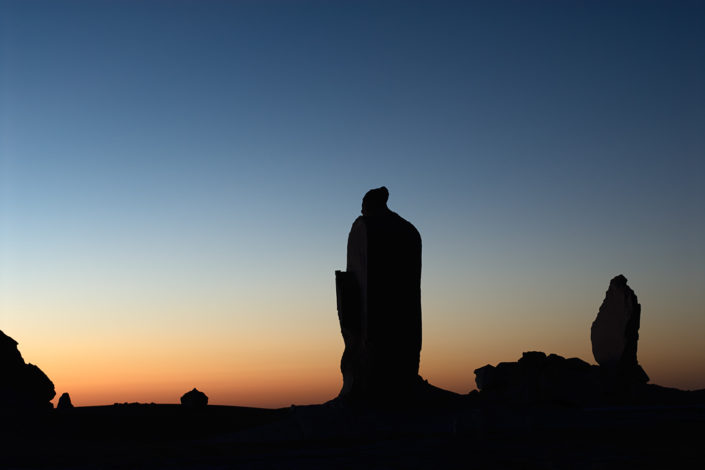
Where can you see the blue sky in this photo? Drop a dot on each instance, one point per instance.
(153, 151)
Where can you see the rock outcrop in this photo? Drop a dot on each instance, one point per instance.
(22, 386)
(194, 399)
(379, 304)
(615, 333)
(64, 402)
(538, 378)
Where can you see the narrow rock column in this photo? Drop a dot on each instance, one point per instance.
(615, 333)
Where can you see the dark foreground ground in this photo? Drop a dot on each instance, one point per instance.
(332, 436)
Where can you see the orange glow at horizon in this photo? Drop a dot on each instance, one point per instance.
(265, 359)
(279, 376)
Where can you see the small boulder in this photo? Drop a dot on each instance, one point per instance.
(64, 402)
(194, 399)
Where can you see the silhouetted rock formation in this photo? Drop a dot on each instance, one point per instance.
(615, 333)
(618, 378)
(64, 402)
(537, 378)
(22, 386)
(379, 304)
(194, 399)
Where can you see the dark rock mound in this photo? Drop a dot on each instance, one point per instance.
(537, 378)
(22, 386)
(64, 402)
(615, 333)
(194, 399)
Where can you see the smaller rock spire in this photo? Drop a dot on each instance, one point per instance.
(615, 333)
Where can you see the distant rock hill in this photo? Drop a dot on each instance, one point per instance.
(22, 386)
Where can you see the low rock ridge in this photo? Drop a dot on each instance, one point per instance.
(540, 378)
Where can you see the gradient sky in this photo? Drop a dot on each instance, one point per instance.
(178, 179)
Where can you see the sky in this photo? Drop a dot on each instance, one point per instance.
(178, 180)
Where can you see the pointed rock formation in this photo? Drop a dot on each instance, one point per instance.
(615, 333)
(194, 399)
(22, 386)
(64, 402)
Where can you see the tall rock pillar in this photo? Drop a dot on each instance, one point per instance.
(615, 333)
(379, 303)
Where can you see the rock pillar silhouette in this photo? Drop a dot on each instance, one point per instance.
(615, 332)
(379, 304)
